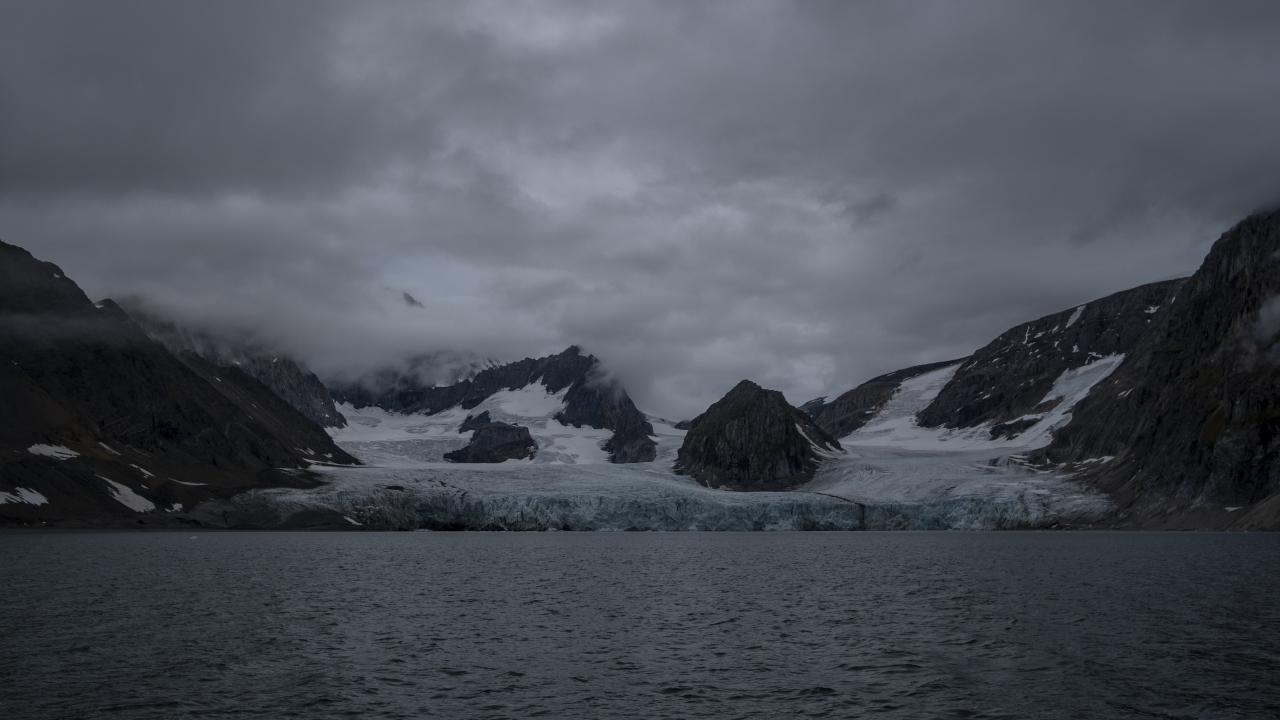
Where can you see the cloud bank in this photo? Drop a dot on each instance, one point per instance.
(803, 193)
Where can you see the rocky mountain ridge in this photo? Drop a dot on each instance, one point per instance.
(1189, 424)
(591, 398)
(1003, 383)
(101, 424)
(852, 409)
(286, 377)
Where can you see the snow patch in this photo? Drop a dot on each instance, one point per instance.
(145, 472)
(379, 437)
(25, 496)
(125, 495)
(57, 452)
(1074, 317)
(530, 401)
(108, 448)
(820, 449)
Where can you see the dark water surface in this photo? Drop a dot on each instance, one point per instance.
(770, 625)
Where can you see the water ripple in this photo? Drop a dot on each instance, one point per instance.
(563, 625)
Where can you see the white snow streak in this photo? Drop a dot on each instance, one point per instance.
(57, 452)
(1074, 317)
(26, 496)
(125, 495)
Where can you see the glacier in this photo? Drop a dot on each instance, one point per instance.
(893, 475)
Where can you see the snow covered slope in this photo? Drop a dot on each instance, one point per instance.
(570, 389)
(407, 440)
(571, 485)
(897, 425)
(962, 478)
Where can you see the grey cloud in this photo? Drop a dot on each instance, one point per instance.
(804, 193)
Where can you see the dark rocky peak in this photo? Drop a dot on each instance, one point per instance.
(475, 421)
(752, 439)
(1010, 377)
(812, 407)
(127, 414)
(1191, 419)
(493, 442)
(29, 286)
(853, 409)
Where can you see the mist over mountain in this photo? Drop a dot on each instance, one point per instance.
(881, 186)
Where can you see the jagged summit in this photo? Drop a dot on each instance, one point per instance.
(752, 439)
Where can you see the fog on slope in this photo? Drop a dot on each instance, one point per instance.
(805, 194)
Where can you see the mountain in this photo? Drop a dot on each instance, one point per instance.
(102, 425)
(287, 378)
(1003, 384)
(752, 439)
(582, 394)
(399, 387)
(1189, 423)
(853, 409)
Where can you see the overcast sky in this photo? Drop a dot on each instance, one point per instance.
(801, 193)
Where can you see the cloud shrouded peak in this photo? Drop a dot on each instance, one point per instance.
(806, 194)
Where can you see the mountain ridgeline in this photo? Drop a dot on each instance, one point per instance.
(286, 377)
(1008, 378)
(1165, 398)
(591, 398)
(100, 424)
(1184, 432)
(852, 409)
(1192, 417)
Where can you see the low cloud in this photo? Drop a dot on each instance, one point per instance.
(806, 194)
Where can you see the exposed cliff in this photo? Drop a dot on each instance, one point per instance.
(1190, 422)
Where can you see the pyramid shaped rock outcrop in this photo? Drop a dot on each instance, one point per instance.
(753, 439)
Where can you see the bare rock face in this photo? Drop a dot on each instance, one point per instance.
(854, 408)
(1009, 377)
(1192, 416)
(475, 422)
(493, 442)
(752, 439)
